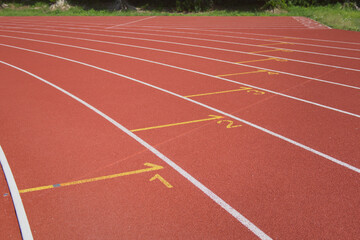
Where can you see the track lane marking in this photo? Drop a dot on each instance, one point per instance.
(188, 70)
(151, 167)
(278, 43)
(241, 73)
(162, 180)
(203, 39)
(274, 50)
(261, 39)
(213, 117)
(227, 91)
(266, 59)
(242, 219)
(245, 44)
(15, 195)
(131, 22)
(328, 157)
(192, 55)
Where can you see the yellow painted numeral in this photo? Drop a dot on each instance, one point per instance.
(230, 124)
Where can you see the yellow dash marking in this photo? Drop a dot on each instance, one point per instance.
(166, 183)
(275, 44)
(204, 94)
(273, 73)
(275, 50)
(213, 117)
(266, 59)
(152, 167)
(242, 73)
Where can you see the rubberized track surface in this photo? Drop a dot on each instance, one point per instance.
(180, 127)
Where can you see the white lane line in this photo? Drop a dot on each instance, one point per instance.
(188, 70)
(15, 195)
(177, 168)
(191, 28)
(161, 50)
(236, 43)
(306, 44)
(332, 159)
(202, 39)
(191, 45)
(123, 24)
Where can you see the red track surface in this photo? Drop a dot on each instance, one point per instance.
(277, 177)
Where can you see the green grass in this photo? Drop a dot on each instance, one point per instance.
(334, 16)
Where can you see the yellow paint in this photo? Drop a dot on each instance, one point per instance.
(204, 94)
(230, 124)
(265, 59)
(152, 167)
(272, 73)
(213, 117)
(269, 44)
(242, 73)
(166, 183)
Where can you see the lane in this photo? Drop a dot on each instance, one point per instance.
(162, 77)
(9, 229)
(98, 151)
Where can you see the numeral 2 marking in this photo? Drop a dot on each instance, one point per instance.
(230, 124)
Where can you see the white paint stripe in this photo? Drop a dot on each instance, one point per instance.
(192, 28)
(220, 49)
(237, 43)
(184, 69)
(245, 44)
(15, 195)
(130, 22)
(205, 106)
(185, 54)
(177, 168)
(305, 44)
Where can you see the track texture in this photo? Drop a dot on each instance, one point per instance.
(180, 127)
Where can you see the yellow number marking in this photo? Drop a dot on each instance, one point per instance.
(161, 179)
(230, 124)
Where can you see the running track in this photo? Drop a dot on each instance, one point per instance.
(179, 128)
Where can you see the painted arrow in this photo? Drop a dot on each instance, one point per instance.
(151, 167)
(213, 117)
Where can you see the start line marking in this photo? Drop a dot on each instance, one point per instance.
(152, 167)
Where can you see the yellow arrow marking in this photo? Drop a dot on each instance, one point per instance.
(275, 44)
(234, 90)
(265, 59)
(213, 117)
(152, 167)
(242, 73)
(166, 183)
(275, 50)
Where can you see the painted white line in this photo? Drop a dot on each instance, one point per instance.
(226, 36)
(180, 68)
(161, 50)
(177, 168)
(332, 159)
(15, 195)
(269, 35)
(130, 22)
(207, 29)
(191, 45)
(245, 44)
